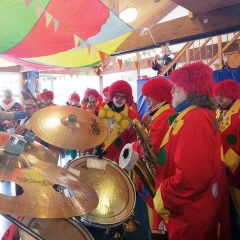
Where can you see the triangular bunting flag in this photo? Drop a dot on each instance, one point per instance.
(154, 51)
(28, 3)
(137, 65)
(54, 78)
(102, 55)
(56, 23)
(89, 47)
(39, 10)
(149, 62)
(137, 55)
(67, 31)
(144, 54)
(108, 58)
(149, 53)
(120, 63)
(48, 18)
(101, 68)
(76, 40)
(83, 43)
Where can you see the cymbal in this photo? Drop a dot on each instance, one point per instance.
(68, 127)
(39, 179)
(35, 148)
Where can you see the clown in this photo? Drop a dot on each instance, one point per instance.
(105, 94)
(191, 184)
(227, 93)
(117, 117)
(47, 97)
(92, 96)
(74, 100)
(8, 103)
(157, 92)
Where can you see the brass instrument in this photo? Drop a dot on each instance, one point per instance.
(145, 167)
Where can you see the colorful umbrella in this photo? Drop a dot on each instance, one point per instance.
(59, 33)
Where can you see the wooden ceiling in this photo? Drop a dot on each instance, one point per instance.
(206, 18)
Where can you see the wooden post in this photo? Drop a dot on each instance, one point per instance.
(220, 58)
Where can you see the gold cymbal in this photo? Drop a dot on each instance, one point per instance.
(35, 148)
(39, 179)
(68, 127)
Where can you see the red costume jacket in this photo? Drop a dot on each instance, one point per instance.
(191, 182)
(120, 131)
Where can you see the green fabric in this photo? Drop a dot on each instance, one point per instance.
(231, 139)
(215, 123)
(172, 118)
(20, 15)
(118, 142)
(161, 158)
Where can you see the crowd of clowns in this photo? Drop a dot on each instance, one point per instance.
(194, 128)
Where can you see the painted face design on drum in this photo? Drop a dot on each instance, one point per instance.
(119, 99)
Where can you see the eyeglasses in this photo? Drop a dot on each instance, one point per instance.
(174, 87)
(27, 109)
(123, 96)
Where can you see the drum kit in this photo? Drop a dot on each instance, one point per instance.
(63, 202)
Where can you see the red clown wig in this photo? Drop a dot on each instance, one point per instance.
(75, 96)
(159, 89)
(105, 89)
(120, 86)
(229, 88)
(93, 92)
(194, 78)
(46, 93)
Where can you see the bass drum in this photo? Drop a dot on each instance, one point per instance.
(55, 229)
(114, 188)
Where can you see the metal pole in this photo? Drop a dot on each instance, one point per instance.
(22, 226)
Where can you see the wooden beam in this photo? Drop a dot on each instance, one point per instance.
(184, 29)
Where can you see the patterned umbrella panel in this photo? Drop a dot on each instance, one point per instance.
(59, 33)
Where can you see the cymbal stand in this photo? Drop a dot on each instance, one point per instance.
(22, 226)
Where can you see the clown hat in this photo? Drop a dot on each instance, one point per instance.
(229, 88)
(46, 93)
(120, 86)
(29, 99)
(194, 78)
(159, 89)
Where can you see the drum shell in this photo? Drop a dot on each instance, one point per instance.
(115, 190)
(55, 229)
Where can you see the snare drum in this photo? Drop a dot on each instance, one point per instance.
(114, 188)
(55, 229)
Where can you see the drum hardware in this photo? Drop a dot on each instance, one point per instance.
(55, 229)
(131, 225)
(30, 174)
(32, 147)
(115, 191)
(68, 127)
(22, 226)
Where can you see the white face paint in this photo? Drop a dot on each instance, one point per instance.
(74, 102)
(178, 95)
(223, 101)
(91, 98)
(119, 100)
(47, 100)
(150, 102)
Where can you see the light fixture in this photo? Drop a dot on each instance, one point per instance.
(128, 14)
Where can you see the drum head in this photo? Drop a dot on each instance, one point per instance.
(115, 191)
(55, 229)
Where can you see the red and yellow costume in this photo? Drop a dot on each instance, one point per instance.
(120, 132)
(229, 120)
(191, 182)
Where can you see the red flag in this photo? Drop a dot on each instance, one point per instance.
(102, 55)
(136, 65)
(120, 63)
